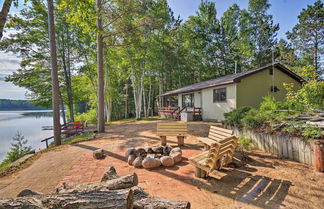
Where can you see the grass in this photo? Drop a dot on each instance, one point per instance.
(130, 120)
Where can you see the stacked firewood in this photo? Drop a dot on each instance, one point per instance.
(118, 192)
(315, 118)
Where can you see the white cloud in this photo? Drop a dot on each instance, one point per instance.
(9, 63)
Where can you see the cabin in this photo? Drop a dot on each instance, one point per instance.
(209, 100)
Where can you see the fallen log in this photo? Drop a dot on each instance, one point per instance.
(123, 182)
(143, 200)
(110, 199)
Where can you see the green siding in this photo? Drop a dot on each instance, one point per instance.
(251, 89)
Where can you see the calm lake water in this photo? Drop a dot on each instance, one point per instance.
(28, 123)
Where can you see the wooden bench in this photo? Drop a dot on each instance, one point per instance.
(219, 148)
(177, 129)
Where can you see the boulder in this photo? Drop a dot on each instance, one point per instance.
(149, 150)
(167, 161)
(176, 156)
(150, 162)
(158, 150)
(166, 150)
(138, 162)
(131, 159)
(129, 152)
(98, 154)
(175, 150)
(140, 152)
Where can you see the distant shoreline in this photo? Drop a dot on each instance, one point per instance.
(18, 105)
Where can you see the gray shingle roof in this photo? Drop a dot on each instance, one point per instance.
(233, 78)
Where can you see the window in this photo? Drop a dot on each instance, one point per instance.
(219, 95)
(188, 100)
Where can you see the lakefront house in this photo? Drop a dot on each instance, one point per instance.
(211, 99)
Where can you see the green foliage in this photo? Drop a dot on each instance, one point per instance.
(308, 34)
(18, 149)
(312, 95)
(312, 132)
(246, 142)
(234, 117)
(252, 119)
(8, 104)
(89, 117)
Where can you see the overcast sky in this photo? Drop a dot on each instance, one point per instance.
(284, 12)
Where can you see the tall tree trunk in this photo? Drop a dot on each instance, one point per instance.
(55, 81)
(69, 84)
(126, 102)
(144, 98)
(149, 98)
(67, 76)
(3, 15)
(101, 73)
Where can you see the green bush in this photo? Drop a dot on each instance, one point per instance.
(18, 149)
(90, 116)
(245, 142)
(252, 119)
(312, 132)
(234, 117)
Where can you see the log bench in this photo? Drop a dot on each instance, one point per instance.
(177, 129)
(219, 148)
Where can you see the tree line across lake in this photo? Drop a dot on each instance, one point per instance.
(148, 51)
(8, 104)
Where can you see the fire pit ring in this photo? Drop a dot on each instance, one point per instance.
(153, 157)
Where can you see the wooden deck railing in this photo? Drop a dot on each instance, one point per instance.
(175, 112)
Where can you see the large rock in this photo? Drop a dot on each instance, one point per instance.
(175, 150)
(149, 150)
(167, 150)
(129, 152)
(177, 156)
(150, 162)
(167, 161)
(140, 152)
(158, 150)
(131, 159)
(99, 154)
(138, 162)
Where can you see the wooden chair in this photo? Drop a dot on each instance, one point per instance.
(177, 129)
(219, 148)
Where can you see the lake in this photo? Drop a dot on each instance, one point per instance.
(29, 124)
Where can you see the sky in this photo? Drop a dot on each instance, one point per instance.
(284, 12)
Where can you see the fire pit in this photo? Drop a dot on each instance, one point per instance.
(153, 157)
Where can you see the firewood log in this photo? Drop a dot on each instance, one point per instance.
(110, 199)
(143, 200)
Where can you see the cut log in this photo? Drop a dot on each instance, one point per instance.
(123, 182)
(119, 199)
(144, 201)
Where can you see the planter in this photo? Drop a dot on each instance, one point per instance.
(286, 147)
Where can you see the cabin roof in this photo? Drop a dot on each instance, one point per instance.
(228, 79)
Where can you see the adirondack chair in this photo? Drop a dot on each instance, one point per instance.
(72, 128)
(219, 148)
(177, 129)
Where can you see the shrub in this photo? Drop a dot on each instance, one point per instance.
(252, 119)
(18, 149)
(245, 142)
(234, 117)
(90, 116)
(312, 132)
